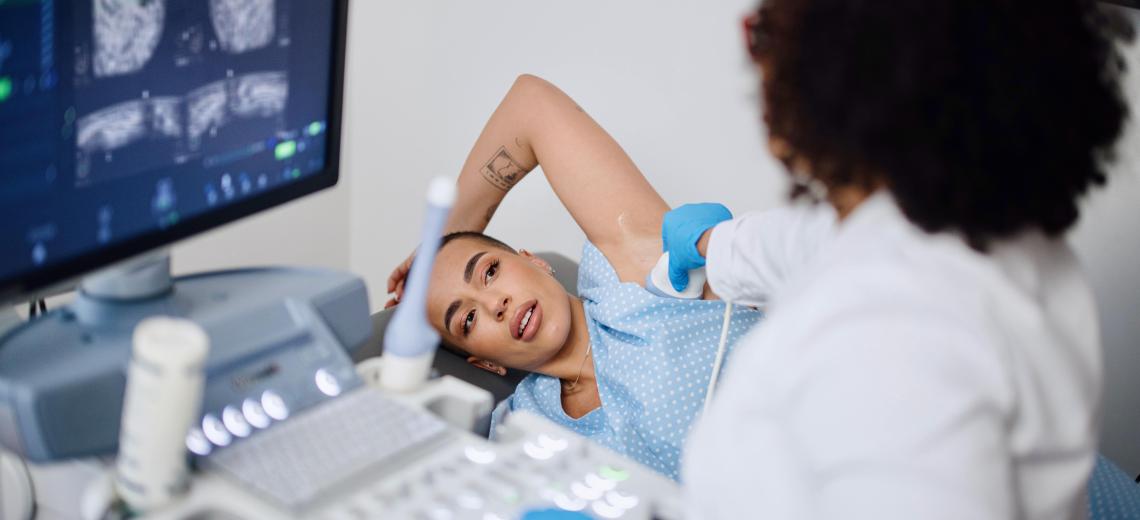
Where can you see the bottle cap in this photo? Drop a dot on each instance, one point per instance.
(166, 341)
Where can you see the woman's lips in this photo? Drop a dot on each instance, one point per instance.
(531, 327)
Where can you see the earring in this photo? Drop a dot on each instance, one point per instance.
(491, 367)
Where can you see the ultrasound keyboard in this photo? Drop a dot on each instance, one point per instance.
(313, 453)
(364, 455)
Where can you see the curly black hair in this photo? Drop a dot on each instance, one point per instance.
(988, 117)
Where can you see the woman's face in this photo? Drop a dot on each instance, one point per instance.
(499, 306)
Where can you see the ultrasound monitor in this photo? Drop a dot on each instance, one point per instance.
(126, 125)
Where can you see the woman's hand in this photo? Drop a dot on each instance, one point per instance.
(396, 280)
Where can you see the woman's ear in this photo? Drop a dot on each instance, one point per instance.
(489, 366)
(536, 260)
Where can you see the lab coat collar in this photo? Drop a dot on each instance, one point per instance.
(876, 219)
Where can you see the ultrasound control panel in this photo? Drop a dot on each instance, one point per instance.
(297, 364)
(280, 343)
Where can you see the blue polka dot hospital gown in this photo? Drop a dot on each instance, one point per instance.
(653, 359)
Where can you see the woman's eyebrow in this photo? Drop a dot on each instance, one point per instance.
(471, 266)
(467, 272)
(449, 314)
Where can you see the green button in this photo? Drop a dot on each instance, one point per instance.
(285, 150)
(614, 474)
(316, 127)
(5, 88)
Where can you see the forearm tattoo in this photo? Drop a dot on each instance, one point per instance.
(502, 171)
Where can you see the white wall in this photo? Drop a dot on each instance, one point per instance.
(670, 80)
(426, 76)
(1108, 242)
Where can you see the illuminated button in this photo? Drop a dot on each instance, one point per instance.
(254, 414)
(537, 452)
(215, 431)
(197, 443)
(479, 455)
(235, 422)
(617, 499)
(596, 482)
(569, 503)
(327, 384)
(605, 510)
(614, 474)
(274, 405)
(586, 492)
(469, 499)
(552, 443)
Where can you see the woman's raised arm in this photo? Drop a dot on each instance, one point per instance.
(538, 124)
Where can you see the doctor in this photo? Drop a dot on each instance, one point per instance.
(931, 348)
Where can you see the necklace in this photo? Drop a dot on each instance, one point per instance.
(572, 387)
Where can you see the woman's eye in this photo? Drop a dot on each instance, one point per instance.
(492, 270)
(467, 322)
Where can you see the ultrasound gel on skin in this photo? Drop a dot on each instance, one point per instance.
(163, 397)
(410, 341)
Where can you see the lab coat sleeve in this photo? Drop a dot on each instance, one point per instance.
(902, 417)
(750, 257)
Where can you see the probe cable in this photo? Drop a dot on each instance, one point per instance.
(719, 356)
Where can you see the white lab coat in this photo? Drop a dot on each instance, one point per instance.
(898, 374)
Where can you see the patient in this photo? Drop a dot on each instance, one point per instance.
(616, 364)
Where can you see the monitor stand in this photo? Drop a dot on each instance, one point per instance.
(134, 280)
(63, 375)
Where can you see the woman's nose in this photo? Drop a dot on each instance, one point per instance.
(500, 306)
(505, 301)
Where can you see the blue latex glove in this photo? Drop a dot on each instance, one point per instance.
(680, 232)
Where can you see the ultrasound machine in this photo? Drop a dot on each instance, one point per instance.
(127, 125)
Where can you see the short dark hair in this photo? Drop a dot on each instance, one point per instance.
(987, 117)
(475, 235)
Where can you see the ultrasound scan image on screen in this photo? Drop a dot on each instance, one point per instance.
(120, 118)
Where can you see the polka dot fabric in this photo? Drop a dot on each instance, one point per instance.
(1113, 495)
(653, 359)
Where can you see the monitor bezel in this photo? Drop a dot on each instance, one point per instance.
(57, 277)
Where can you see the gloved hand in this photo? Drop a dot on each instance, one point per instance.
(681, 230)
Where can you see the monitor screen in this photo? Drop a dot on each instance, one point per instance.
(128, 124)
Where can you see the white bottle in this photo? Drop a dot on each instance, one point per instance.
(163, 398)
